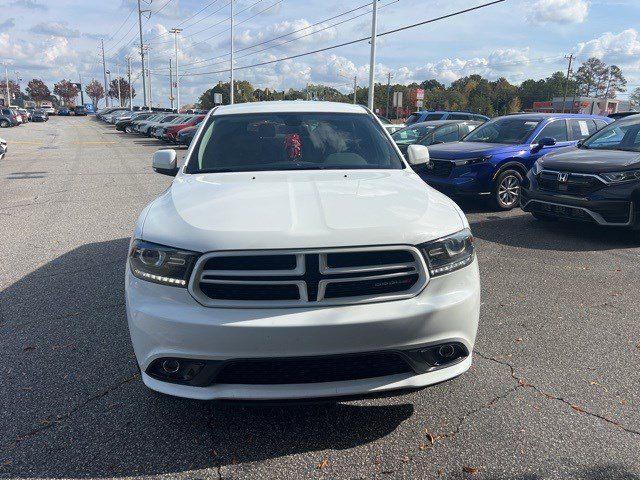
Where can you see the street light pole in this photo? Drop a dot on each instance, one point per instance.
(144, 84)
(130, 86)
(372, 59)
(118, 80)
(104, 72)
(6, 72)
(175, 32)
(170, 84)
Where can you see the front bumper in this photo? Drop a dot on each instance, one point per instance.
(167, 322)
(462, 180)
(612, 205)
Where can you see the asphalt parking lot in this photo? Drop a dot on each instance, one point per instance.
(554, 391)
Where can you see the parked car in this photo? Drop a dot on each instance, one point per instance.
(185, 136)
(171, 132)
(79, 110)
(388, 126)
(427, 116)
(598, 181)
(619, 115)
(301, 223)
(64, 112)
(433, 132)
(125, 123)
(139, 126)
(157, 130)
(9, 117)
(39, 116)
(495, 157)
(48, 107)
(3, 148)
(145, 127)
(26, 116)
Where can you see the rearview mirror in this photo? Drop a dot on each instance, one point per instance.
(164, 162)
(543, 142)
(417, 155)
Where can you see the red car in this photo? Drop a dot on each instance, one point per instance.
(171, 132)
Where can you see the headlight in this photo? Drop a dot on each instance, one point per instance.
(449, 253)
(618, 177)
(473, 161)
(160, 264)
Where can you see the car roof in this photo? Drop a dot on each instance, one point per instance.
(282, 106)
(545, 116)
(448, 111)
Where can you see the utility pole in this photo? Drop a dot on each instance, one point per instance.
(149, 73)
(104, 72)
(372, 60)
(118, 80)
(144, 85)
(130, 86)
(566, 83)
(175, 32)
(386, 111)
(231, 89)
(6, 73)
(170, 85)
(355, 88)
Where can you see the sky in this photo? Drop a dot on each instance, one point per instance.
(516, 39)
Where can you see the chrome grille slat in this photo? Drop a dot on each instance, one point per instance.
(312, 276)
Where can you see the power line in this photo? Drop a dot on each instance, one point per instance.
(284, 35)
(344, 44)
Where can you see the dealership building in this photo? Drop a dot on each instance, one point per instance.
(588, 105)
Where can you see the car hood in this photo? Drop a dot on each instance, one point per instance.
(301, 209)
(456, 150)
(582, 160)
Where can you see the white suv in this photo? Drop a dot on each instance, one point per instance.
(297, 255)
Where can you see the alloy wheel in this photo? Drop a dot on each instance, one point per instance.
(509, 190)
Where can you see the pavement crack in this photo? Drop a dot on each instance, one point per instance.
(522, 383)
(56, 419)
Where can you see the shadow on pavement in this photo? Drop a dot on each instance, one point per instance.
(522, 230)
(74, 407)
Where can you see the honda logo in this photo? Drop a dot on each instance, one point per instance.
(563, 177)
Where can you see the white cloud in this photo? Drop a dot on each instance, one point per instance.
(621, 46)
(57, 29)
(8, 24)
(557, 11)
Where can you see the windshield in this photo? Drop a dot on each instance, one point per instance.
(510, 130)
(621, 135)
(292, 141)
(412, 134)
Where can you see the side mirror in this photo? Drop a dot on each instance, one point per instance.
(544, 142)
(164, 162)
(417, 155)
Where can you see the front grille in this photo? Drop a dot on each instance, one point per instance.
(569, 183)
(613, 212)
(333, 368)
(439, 168)
(308, 277)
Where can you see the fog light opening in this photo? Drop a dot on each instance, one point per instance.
(171, 366)
(447, 351)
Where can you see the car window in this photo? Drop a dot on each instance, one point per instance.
(600, 124)
(411, 134)
(433, 116)
(458, 116)
(413, 118)
(448, 133)
(465, 128)
(509, 130)
(620, 135)
(292, 141)
(579, 129)
(556, 130)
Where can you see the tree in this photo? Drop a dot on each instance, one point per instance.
(95, 90)
(38, 90)
(591, 75)
(243, 93)
(515, 105)
(615, 82)
(66, 90)
(124, 90)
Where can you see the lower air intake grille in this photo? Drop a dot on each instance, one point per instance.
(312, 369)
(308, 277)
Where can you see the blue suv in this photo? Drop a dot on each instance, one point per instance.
(428, 116)
(495, 157)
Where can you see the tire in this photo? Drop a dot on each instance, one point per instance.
(4, 123)
(543, 217)
(505, 194)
